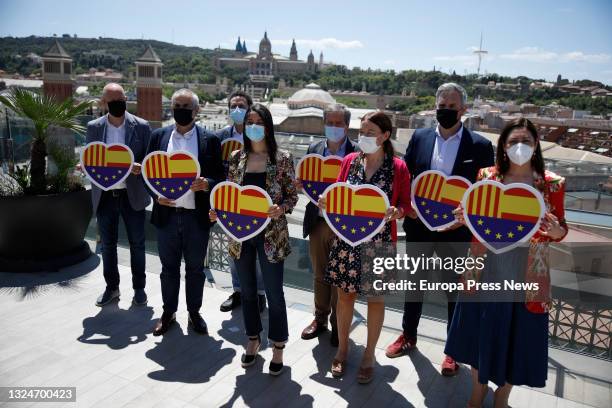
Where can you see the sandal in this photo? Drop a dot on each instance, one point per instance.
(249, 359)
(276, 368)
(366, 374)
(338, 368)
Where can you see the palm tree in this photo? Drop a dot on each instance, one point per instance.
(44, 111)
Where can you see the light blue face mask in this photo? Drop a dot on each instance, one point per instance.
(237, 115)
(334, 134)
(255, 132)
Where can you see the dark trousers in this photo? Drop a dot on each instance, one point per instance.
(272, 274)
(414, 307)
(114, 204)
(182, 237)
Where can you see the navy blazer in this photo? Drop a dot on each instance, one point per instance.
(137, 134)
(474, 153)
(225, 133)
(311, 214)
(211, 168)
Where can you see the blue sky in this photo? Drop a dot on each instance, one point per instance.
(539, 39)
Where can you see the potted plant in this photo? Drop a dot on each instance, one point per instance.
(44, 216)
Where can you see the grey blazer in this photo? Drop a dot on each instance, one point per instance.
(137, 136)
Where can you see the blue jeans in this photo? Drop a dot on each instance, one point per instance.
(182, 236)
(236, 280)
(115, 204)
(272, 274)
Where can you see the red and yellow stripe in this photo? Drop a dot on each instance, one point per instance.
(515, 204)
(365, 202)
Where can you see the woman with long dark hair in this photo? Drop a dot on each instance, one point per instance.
(263, 164)
(375, 165)
(506, 342)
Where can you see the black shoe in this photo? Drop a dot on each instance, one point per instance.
(140, 297)
(232, 302)
(107, 297)
(197, 323)
(249, 359)
(333, 340)
(276, 368)
(262, 303)
(163, 324)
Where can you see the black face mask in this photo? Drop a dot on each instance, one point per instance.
(183, 116)
(116, 108)
(447, 118)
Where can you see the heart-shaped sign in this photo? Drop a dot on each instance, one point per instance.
(170, 174)
(106, 165)
(242, 211)
(228, 146)
(317, 173)
(435, 196)
(502, 216)
(355, 213)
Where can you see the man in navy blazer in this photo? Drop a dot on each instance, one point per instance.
(453, 150)
(183, 224)
(127, 200)
(337, 119)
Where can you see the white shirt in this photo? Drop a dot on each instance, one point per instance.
(187, 142)
(115, 135)
(236, 135)
(445, 151)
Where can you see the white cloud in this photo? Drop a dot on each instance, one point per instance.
(535, 54)
(315, 44)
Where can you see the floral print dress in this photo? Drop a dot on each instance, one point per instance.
(344, 269)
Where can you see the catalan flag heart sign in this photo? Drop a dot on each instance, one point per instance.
(170, 174)
(106, 165)
(242, 211)
(227, 147)
(355, 213)
(435, 196)
(317, 173)
(502, 216)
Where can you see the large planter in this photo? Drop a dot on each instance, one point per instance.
(44, 233)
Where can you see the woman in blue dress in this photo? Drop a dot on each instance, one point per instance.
(506, 342)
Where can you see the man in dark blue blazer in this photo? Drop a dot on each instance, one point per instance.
(127, 200)
(453, 150)
(337, 119)
(183, 225)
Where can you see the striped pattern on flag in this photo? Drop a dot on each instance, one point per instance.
(228, 146)
(365, 202)
(315, 169)
(513, 204)
(246, 202)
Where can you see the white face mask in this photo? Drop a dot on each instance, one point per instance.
(367, 144)
(520, 153)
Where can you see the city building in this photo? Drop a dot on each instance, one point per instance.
(58, 79)
(149, 85)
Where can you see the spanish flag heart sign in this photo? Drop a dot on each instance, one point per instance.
(227, 147)
(317, 173)
(242, 211)
(170, 174)
(502, 216)
(106, 165)
(355, 213)
(435, 196)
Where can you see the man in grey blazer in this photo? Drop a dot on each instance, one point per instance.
(337, 119)
(127, 200)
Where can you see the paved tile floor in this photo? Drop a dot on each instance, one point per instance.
(54, 335)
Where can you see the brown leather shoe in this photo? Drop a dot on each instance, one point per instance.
(313, 330)
(163, 324)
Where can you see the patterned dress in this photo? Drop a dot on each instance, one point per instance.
(344, 269)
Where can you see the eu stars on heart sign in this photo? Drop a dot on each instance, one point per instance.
(502, 216)
(317, 173)
(242, 211)
(355, 213)
(106, 165)
(434, 197)
(170, 174)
